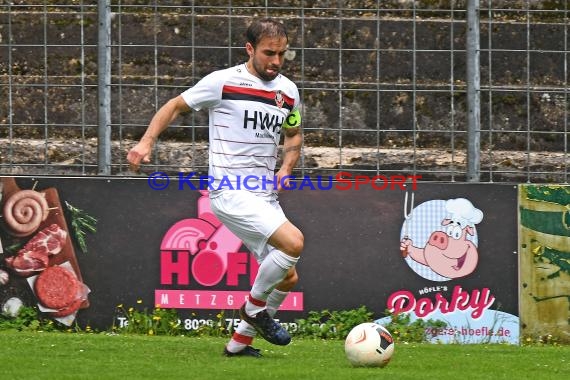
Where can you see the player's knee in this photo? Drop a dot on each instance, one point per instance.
(288, 239)
(297, 244)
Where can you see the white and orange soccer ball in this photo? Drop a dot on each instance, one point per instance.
(369, 345)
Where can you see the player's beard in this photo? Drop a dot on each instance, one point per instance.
(263, 74)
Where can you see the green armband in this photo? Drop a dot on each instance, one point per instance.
(293, 120)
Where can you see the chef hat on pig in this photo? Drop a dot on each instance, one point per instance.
(462, 211)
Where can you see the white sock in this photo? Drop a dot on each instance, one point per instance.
(244, 333)
(275, 300)
(241, 339)
(271, 272)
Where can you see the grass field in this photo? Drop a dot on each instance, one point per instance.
(101, 356)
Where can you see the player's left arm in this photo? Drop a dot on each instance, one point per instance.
(291, 147)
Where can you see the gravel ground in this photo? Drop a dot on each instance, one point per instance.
(61, 157)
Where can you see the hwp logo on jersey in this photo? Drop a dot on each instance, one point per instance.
(263, 121)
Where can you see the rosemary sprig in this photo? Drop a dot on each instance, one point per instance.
(13, 248)
(81, 222)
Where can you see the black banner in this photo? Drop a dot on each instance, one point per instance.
(165, 247)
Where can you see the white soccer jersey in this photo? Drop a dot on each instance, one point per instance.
(245, 119)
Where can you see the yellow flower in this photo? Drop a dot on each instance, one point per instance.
(150, 332)
(120, 305)
(156, 318)
(139, 301)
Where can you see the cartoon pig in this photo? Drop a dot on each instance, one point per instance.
(449, 252)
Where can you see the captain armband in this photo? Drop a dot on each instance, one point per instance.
(293, 120)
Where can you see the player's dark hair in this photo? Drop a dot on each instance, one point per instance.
(265, 27)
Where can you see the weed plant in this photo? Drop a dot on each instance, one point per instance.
(325, 324)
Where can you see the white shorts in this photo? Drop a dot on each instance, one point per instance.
(251, 218)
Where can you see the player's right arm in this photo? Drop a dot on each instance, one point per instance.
(160, 121)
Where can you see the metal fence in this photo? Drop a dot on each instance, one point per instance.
(449, 90)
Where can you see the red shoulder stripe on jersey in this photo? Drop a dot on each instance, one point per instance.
(252, 94)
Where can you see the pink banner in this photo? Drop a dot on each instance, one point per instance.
(213, 299)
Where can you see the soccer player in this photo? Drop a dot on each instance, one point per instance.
(250, 106)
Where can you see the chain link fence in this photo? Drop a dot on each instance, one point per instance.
(385, 84)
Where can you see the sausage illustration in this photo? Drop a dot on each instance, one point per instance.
(24, 211)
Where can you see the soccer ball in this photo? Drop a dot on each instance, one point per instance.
(369, 345)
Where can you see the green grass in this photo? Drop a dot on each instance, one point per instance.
(39, 355)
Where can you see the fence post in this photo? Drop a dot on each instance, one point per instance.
(473, 93)
(104, 88)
